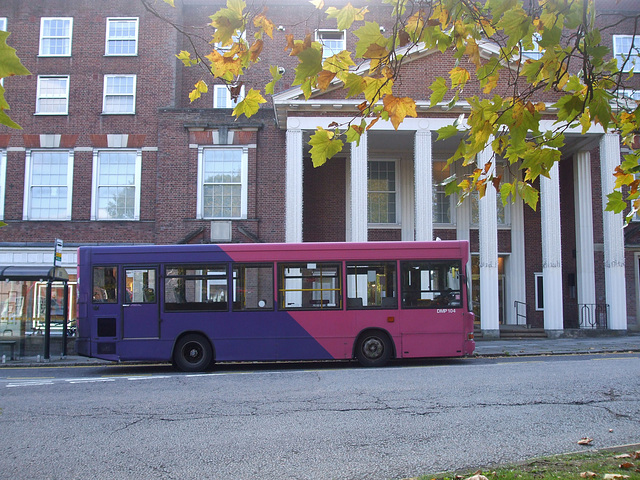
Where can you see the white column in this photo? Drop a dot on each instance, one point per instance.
(551, 250)
(488, 233)
(612, 223)
(585, 264)
(293, 221)
(423, 185)
(359, 220)
(517, 273)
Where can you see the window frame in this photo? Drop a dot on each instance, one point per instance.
(109, 39)
(202, 280)
(3, 180)
(538, 286)
(396, 192)
(633, 63)
(228, 102)
(41, 52)
(437, 189)
(105, 94)
(355, 273)
(40, 97)
(336, 290)
(240, 293)
(244, 182)
(95, 185)
(318, 34)
(28, 185)
(446, 298)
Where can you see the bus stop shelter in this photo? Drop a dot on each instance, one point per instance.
(49, 275)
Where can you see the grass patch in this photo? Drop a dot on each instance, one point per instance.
(594, 465)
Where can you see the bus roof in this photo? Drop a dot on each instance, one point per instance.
(256, 252)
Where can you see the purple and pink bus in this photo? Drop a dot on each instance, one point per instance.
(194, 305)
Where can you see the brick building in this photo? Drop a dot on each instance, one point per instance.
(112, 152)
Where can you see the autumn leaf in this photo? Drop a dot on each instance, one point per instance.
(264, 24)
(585, 441)
(399, 108)
(324, 79)
(249, 104)
(319, 4)
(199, 89)
(588, 474)
(256, 49)
(170, 2)
(324, 145)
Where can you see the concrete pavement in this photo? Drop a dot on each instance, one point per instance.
(484, 348)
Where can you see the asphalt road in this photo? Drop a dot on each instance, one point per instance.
(310, 421)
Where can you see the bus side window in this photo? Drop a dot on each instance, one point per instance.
(105, 281)
(372, 285)
(309, 286)
(140, 285)
(431, 284)
(252, 287)
(196, 288)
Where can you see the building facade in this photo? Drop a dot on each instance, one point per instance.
(113, 152)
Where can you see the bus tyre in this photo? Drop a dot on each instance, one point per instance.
(193, 353)
(373, 349)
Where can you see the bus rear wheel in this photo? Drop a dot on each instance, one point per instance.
(373, 349)
(193, 353)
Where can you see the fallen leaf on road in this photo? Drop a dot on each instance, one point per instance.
(478, 477)
(585, 441)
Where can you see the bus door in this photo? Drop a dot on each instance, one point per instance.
(140, 314)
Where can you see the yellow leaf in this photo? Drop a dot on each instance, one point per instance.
(249, 104)
(199, 89)
(224, 66)
(399, 108)
(459, 76)
(492, 82)
(472, 50)
(319, 4)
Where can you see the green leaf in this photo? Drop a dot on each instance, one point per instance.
(324, 145)
(249, 104)
(447, 131)
(439, 89)
(528, 194)
(10, 65)
(369, 34)
(310, 63)
(276, 76)
(615, 202)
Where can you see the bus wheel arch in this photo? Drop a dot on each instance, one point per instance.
(374, 348)
(193, 352)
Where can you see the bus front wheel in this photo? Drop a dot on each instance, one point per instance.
(373, 349)
(193, 353)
